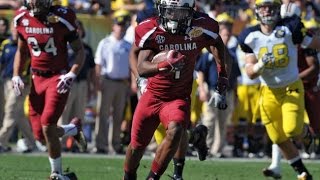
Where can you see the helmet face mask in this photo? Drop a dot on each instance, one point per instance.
(176, 15)
(39, 7)
(268, 11)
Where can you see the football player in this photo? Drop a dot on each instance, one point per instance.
(167, 100)
(44, 32)
(197, 136)
(271, 54)
(308, 69)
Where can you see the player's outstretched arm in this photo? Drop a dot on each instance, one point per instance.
(20, 56)
(77, 47)
(66, 80)
(222, 57)
(19, 60)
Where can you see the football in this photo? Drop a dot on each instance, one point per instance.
(164, 55)
(161, 56)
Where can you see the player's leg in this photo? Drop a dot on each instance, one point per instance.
(175, 116)
(36, 105)
(293, 115)
(197, 132)
(274, 169)
(282, 128)
(144, 124)
(54, 104)
(312, 102)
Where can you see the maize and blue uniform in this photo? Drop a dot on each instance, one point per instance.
(282, 93)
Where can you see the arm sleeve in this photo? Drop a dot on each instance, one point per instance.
(98, 57)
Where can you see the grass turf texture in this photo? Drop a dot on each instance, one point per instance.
(102, 167)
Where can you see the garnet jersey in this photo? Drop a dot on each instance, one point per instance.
(149, 34)
(47, 40)
(311, 81)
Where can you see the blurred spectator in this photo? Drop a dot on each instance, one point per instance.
(11, 4)
(81, 90)
(4, 27)
(138, 6)
(14, 114)
(101, 6)
(215, 8)
(112, 70)
(215, 119)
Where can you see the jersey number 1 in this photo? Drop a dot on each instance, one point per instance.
(48, 48)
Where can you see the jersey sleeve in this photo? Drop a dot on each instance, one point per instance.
(296, 27)
(98, 56)
(209, 25)
(68, 18)
(143, 33)
(17, 21)
(241, 39)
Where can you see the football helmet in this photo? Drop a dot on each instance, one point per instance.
(38, 7)
(176, 15)
(268, 11)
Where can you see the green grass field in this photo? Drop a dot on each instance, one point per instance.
(102, 167)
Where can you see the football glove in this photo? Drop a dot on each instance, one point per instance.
(17, 84)
(259, 66)
(174, 61)
(218, 98)
(142, 84)
(65, 82)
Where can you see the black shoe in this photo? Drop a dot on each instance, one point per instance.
(5, 149)
(176, 177)
(269, 173)
(198, 139)
(57, 176)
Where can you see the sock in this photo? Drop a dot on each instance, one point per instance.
(129, 176)
(178, 166)
(276, 157)
(56, 165)
(153, 176)
(156, 171)
(69, 129)
(298, 165)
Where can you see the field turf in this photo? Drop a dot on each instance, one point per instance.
(102, 167)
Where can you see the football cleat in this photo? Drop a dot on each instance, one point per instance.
(198, 138)
(175, 177)
(79, 137)
(67, 176)
(304, 176)
(270, 173)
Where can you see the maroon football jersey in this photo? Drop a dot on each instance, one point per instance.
(309, 82)
(149, 34)
(47, 39)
